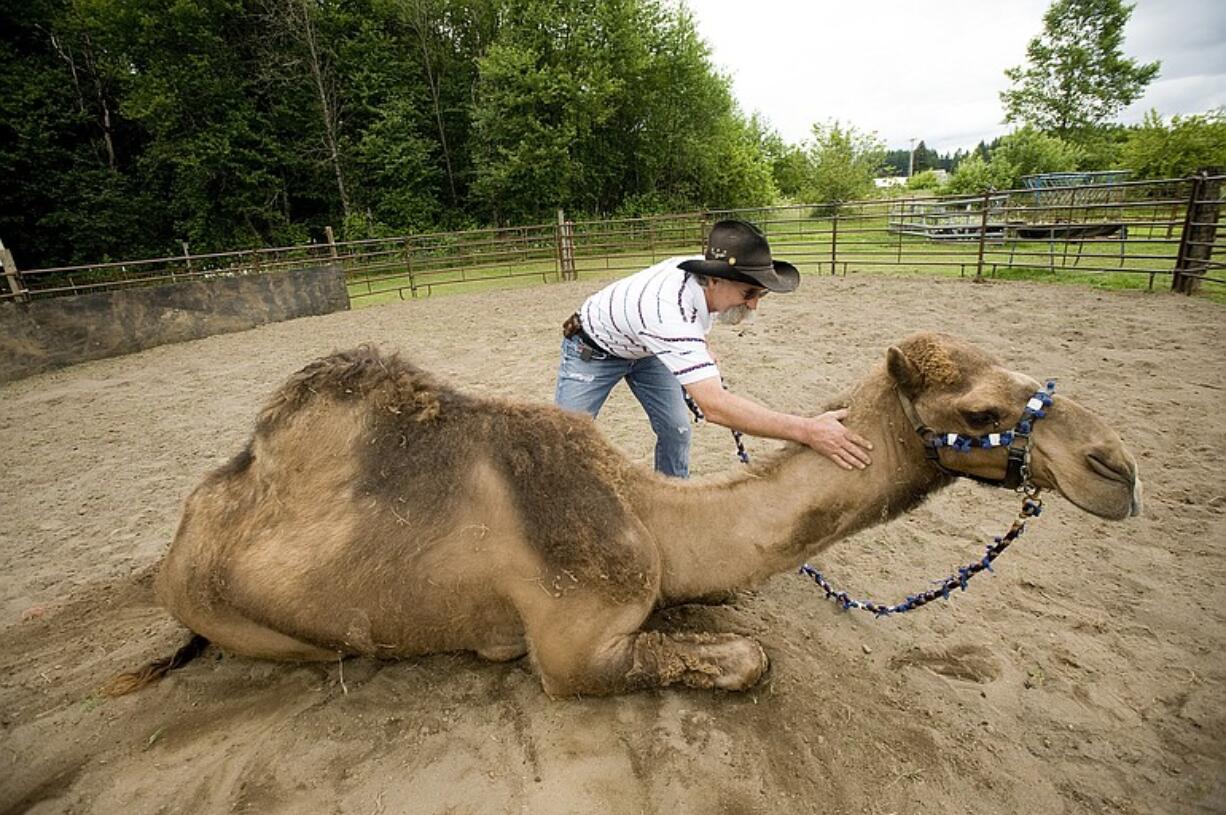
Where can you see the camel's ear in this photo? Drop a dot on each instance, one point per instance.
(904, 374)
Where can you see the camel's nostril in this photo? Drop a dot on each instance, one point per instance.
(1112, 467)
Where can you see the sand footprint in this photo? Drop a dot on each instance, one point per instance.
(970, 663)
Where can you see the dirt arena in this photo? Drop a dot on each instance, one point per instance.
(1087, 675)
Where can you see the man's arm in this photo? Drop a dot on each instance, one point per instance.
(825, 433)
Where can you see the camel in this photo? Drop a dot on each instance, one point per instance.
(378, 512)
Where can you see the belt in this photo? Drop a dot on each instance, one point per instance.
(573, 327)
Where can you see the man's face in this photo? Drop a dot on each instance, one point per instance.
(726, 294)
(735, 300)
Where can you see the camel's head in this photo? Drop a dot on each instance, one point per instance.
(956, 388)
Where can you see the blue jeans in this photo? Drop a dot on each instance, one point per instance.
(584, 385)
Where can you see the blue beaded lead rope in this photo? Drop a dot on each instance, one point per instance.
(1035, 409)
(698, 417)
(1031, 507)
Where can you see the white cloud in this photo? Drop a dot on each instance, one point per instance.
(934, 71)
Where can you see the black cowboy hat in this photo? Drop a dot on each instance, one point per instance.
(739, 251)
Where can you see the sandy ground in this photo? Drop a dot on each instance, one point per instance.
(1086, 675)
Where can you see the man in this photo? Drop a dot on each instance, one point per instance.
(650, 329)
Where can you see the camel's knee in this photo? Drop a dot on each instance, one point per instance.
(587, 667)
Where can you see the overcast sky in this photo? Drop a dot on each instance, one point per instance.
(934, 70)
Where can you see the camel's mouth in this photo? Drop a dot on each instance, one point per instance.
(1120, 471)
(1102, 490)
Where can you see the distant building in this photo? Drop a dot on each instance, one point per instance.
(901, 180)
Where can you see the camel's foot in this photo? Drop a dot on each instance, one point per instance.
(724, 661)
(653, 659)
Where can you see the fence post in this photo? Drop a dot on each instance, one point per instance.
(901, 219)
(408, 267)
(12, 275)
(566, 248)
(834, 240)
(1199, 231)
(331, 242)
(983, 235)
(187, 259)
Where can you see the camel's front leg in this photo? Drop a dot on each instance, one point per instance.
(589, 651)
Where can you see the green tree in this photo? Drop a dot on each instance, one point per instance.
(619, 105)
(842, 163)
(787, 162)
(212, 151)
(129, 125)
(1101, 147)
(925, 158)
(1157, 149)
(1077, 76)
(67, 152)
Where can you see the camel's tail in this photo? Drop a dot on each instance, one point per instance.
(126, 683)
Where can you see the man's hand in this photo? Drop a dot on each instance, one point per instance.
(827, 435)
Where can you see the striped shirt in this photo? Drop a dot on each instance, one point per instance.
(661, 312)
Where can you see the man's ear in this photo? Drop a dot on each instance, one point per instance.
(905, 375)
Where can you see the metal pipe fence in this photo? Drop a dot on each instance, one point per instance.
(1140, 231)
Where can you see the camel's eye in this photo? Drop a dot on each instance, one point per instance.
(982, 418)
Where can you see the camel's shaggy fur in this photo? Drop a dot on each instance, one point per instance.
(378, 512)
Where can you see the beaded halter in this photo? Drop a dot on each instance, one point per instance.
(1017, 477)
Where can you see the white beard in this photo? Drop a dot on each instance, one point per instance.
(735, 315)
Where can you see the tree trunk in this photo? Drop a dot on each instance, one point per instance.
(104, 109)
(328, 106)
(419, 26)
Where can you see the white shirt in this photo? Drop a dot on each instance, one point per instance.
(661, 312)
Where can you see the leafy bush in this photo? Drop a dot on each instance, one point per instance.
(1028, 151)
(974, 175)
(1101, 147)
(927, 180)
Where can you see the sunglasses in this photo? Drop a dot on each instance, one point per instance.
(752, 293)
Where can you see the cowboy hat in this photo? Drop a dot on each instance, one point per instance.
(739, 251)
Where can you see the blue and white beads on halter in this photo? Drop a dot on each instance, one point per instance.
(1036, 408)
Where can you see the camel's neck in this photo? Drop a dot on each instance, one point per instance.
(720, 536)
